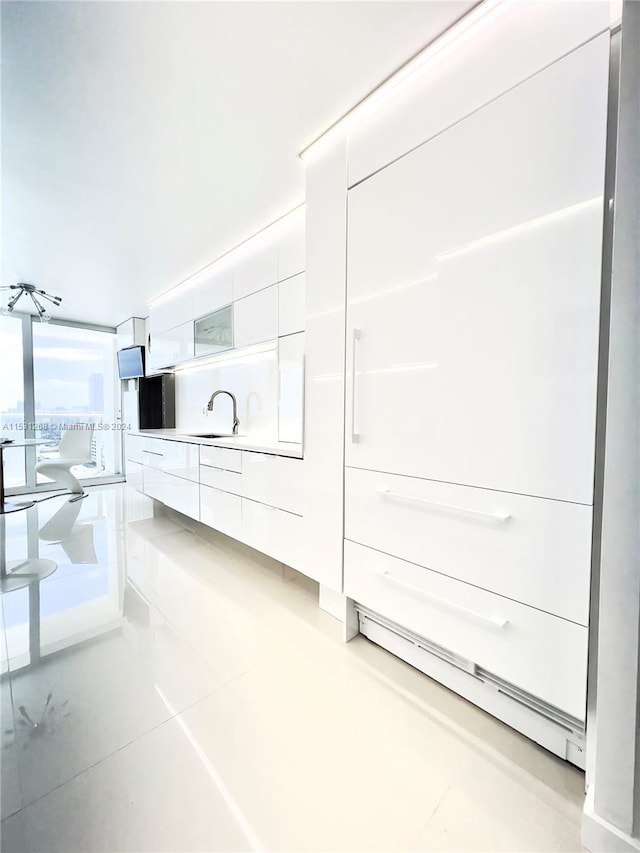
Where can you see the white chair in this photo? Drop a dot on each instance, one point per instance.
(74, 449)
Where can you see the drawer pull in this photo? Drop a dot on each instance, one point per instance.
(153, 452)
(495, 516)
(496, 621)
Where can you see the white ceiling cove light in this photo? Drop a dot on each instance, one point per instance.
(32, 291)
(465, 28)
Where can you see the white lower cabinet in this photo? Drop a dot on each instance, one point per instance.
(533, 550)
(169, 475)
(221, 457)
(274, 480)
(221, 510)
(175, 492)
(134, 445)
(540, 654)
(275, 532)
(222, 479)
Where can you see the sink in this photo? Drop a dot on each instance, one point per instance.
(212, 435)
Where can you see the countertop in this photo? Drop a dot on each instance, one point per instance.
(238, 442)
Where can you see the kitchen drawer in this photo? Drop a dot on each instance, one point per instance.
(174, 457)
(533, 550)
(219, 478)
(175, 492)
(535, 651)
(134, 474)
(134, 445)
(274, 532)
(221, 457)
(153, 453)
(221, 511)
(182, 459)
(275, 480)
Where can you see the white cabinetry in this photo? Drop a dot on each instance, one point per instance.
(171, 346)
(256, 317)
(473, 294)
(256, 498)
(214, 290)
(171, 474)
(257, 267)
(291, 299)
(275, 532)
(221, 510)
(133, 468)
(531, 550)
(532, 650)
(170, 311)
(291, 245)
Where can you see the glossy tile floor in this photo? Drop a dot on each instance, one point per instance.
(188, 694)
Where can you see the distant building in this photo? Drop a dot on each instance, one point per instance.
(96, 392)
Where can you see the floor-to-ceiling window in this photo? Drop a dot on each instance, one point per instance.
(57, 376)
(12, 415)
(74, 383)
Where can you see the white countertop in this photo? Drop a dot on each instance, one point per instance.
(238, 442)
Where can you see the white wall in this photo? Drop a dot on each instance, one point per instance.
(254, 381)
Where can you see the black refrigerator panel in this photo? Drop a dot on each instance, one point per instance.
(157, 401)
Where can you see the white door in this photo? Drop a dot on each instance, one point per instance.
(473, 292)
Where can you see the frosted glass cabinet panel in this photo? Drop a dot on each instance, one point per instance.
(473, 291)
(214, 333)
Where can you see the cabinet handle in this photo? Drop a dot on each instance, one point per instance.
(494, 516)
(153, 452)
(496, 621)
(355, 337)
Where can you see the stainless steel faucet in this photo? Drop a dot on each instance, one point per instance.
(236, 422)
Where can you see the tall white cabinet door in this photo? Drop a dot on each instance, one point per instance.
(473, 294)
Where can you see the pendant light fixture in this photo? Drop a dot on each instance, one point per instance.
(32, 291)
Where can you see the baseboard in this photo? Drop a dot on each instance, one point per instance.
(600, 836)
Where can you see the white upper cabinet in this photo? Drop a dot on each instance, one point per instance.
(172, 346)
(473, 294)
(291, 301)
(256, 317)
(213, 290)
(171, 311)
(256, 266)
(291, 245)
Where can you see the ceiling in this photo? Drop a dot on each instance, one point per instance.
(141, 140)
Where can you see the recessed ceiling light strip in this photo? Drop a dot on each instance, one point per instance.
(437, 49)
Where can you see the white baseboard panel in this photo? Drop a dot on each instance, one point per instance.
(564, 740)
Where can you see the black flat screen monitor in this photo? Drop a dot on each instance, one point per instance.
(131, 362)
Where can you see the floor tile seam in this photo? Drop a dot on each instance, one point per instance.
(95, 764)
(171, 717)
(448, 787)
(13, 814)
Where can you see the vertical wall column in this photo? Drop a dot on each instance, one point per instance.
(612, 810)
(326, 200)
